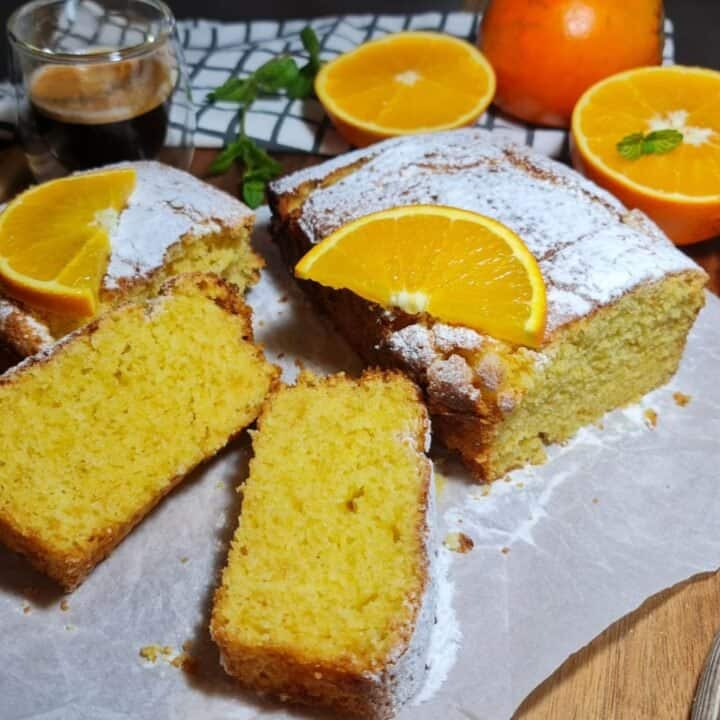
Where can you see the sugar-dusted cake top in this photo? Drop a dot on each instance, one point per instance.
(590, 248)
(165, 205)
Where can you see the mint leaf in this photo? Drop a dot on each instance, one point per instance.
(253, 192)
(235, 90)
(224, 160)
(657, 142)
(276, 74)
(312, 45)
(662, 141)
(258, 167)
(631, 146)
(302, 85)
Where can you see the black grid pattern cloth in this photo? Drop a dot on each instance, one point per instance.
(215, 51)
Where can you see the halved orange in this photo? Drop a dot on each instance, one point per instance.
(409, 82)
(457, 266)
(679, 189)
(54, 240)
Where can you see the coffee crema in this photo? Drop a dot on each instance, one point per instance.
(83, 116)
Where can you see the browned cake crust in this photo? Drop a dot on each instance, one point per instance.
(593, 253)
(69, 569)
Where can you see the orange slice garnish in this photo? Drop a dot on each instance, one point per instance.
(679, 189)
(457, 266)
(55, 240)
(409, 82)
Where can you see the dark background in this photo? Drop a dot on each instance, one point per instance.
(697, 22)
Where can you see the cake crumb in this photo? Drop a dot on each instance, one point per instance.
(261, 323)
(184, 559)
(507, 479)
(280, 355)
(595, 501)
(520, 485)
(299, 364)
(505, 550)
(64, 606)
(681, 399)
(150, 653)
(179, 660)
(651, 417)
(69, 628)
(167, 650)
(27, 609)
(458, 542)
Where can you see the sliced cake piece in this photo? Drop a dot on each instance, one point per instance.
(173, 223)
(327, 596)
(96, 430)
(620, 297)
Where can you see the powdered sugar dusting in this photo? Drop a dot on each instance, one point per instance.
(166, 205)
(590, 249)
(449, 338)
(414, 344)
(446, 635)
(14, 320)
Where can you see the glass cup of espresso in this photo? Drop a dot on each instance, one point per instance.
(99, 82)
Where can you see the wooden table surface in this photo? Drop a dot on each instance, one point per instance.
(646, 666)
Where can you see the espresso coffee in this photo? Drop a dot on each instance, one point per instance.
(84, 116)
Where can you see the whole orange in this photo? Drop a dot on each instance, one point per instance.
(546, 53)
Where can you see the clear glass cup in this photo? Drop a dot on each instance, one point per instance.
(97, 82)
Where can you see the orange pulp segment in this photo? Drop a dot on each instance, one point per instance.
(55, 244)
(679, 189)
(409, 82)
(457, 266)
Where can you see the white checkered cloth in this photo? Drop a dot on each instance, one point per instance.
(215, 51)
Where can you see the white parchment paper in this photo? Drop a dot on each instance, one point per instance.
(561, 551)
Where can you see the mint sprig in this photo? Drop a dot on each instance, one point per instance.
(657, 142)
(281, 74)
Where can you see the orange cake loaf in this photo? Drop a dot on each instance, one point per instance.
(620, 297)
(327, 598)
(173, 223)
(97, 429)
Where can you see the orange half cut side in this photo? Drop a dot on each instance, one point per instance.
(409, 82)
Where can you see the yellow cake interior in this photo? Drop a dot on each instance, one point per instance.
(608, 359)
(104, 426)
(227, 253)
(330, 546)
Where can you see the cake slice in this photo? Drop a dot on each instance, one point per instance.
(620, 297)
(173, 223)
(99, 428)
(327, 596)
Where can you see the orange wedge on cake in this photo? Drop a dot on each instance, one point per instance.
(457, 266)
(676, 182)
(409, 82)
(54, 240)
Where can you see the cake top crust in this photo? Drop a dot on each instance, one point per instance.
(591, 250)
(165, 205)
